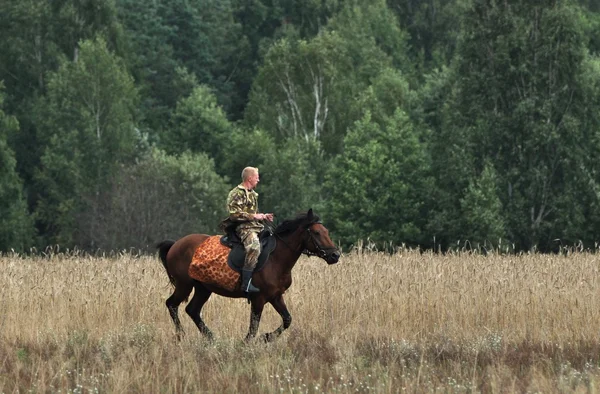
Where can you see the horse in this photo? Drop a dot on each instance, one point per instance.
(303, 235)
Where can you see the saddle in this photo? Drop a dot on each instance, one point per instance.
(219, 260)
(235, 260)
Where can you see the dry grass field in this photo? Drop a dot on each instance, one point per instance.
(380, 323)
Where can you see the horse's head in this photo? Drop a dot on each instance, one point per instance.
(317, 241)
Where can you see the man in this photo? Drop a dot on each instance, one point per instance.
(242, 205)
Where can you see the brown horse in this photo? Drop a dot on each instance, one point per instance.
(302, 235)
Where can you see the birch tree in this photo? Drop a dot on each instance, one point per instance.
(307, 88)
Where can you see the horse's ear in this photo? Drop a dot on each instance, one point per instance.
(309, 215)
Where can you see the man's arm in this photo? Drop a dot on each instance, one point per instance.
(235, 206)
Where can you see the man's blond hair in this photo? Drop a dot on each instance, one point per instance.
(248, 172)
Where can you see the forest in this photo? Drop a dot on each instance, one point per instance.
(432, 124)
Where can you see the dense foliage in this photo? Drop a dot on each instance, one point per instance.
(427, 123)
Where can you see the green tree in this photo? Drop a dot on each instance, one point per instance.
(35, 36)
(304, 87)
(200, 36)
(207, 41)
(78, 20)
(378, 188)
(87, 125)
(290, 98)
(264, 22)
(518, 102)
(59, 180)
(28, 50)
(482, 211)
(151, 59)
(388, 91)
(199, 124)
(37, 33)
(247, 148)
(590, 21)
(292, 176)
(582, 198)
(16, 226)
(432, 27)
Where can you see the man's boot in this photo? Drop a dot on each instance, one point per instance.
(247, 286)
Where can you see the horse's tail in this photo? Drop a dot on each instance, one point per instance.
(163, 248)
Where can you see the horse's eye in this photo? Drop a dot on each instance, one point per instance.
(315, 232)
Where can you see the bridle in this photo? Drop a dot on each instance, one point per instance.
(320, 251)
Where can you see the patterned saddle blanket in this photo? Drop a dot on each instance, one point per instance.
(218, 264)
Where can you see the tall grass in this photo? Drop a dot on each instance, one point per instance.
(373, 323)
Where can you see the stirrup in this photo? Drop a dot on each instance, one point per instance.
(251, 288)
(247, 286)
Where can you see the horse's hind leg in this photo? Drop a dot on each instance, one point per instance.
(194, 308)
(279, 305)
(180, 294)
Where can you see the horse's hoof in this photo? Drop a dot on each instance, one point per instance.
(266, 338)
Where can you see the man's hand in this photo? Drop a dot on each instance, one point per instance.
(264, 216)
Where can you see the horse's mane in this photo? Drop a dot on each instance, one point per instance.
(290, 225)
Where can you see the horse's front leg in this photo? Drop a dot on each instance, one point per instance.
(257, 306)
(279, 305)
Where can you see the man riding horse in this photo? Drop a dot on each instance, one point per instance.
(242, 205)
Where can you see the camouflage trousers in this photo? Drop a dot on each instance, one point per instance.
(251, 243)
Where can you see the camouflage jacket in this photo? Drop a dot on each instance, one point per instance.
(241, 205)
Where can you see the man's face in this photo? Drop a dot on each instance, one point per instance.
(254, 179)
